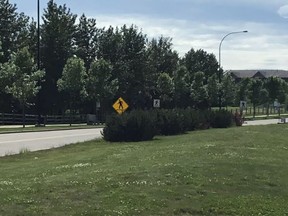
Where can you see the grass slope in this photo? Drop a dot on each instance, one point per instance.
(236, 171)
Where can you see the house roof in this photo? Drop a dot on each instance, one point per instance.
(241, 74)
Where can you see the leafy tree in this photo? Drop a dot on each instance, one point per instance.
(277, 90)
(257, 93)
(161, 57)
(22, 78)
(243, 90)
(165, 87)
(72, 82)
(86, 39)
(181, 90)
(100, 85)
(57, 42)
(213, 90)
(228, 90)
(199, 94)
(200, 60)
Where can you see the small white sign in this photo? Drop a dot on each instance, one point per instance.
(243, 105)
(156, 103)
(276, 104)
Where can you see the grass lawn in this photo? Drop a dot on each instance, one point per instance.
(236, 171)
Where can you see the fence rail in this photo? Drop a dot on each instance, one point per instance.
(248, 111)
(17, 119)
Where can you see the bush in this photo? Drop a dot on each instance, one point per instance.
(195, 119)
(170, 122)
(133, 126)
(144, 125)
(221, 119)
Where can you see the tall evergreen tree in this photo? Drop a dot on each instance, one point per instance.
(132, 74)
(13, 29)
(87, 40)
(58, 33)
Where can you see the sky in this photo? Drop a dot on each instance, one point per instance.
(198, 24)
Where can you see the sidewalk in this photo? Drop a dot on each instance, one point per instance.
(261, 122)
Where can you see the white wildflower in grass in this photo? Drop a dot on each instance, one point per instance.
(169, 164)
(6, 183)
(78, 165)
(63, 167)
(81, 165)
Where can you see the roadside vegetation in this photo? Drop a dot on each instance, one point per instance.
(235, 171)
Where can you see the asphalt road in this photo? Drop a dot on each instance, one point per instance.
(34, 141)
(261, 122)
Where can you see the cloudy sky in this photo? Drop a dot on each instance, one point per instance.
(198, 24)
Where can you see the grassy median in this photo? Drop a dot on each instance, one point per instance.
(235, 171)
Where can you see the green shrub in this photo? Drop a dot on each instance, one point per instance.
(134, 126)
(170, 122)
(221, 119)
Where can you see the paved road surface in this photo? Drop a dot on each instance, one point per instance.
(261, 122)
(33, 141)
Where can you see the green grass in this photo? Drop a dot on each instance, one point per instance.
(236, 171)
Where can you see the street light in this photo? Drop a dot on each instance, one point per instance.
(220, 91)
(238, 32)
(38, 61)
(38, 34)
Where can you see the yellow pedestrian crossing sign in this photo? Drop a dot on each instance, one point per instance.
(120, 106)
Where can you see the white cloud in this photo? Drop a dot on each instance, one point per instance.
(264, 46)
(283, 11)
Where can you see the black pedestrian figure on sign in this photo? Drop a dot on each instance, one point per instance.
(120, 105)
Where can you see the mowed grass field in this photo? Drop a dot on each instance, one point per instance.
(235, 171)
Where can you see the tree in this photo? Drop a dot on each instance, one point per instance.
(243, 89)
(199, 94)
(23, 78)
(181, 88)
(86, 40)
(57, 42)
(228, 90)
(277, 90)
(200, 60)
(165, 87)
(13, 29)
(256, 93)
(72, 82)
(100, 85)
(132, 70)
(162, 58)
(213, 90)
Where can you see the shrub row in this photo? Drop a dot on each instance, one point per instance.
(141, 125)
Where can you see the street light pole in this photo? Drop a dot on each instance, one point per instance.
(219, 70)
(38, 34)
(38, 61)
(238, 32)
